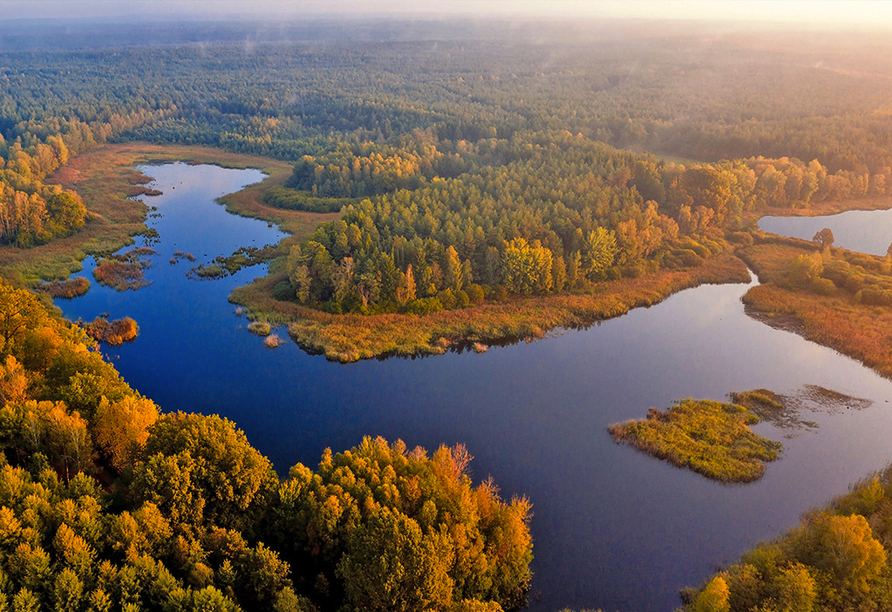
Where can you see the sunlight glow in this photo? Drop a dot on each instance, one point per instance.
(821, 13)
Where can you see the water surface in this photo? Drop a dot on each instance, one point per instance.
(867, 231)
(613, 528)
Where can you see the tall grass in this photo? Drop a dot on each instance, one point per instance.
(67, 289)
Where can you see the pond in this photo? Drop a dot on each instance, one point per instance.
(613, 528)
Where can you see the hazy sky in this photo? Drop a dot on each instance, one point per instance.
(807, 12)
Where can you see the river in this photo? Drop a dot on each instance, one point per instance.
(613, 528)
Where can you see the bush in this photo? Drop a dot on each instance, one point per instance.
(875, 297)
(424, 306)
(822, 286)
(461, 299)
(475, 294)
(284, 292)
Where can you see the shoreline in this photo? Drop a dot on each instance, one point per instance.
(349, 338)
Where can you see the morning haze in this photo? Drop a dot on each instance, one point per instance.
(470, 306)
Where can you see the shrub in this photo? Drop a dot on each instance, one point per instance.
(261, 328)
(475, 293)
(424, 306)
(822, 286)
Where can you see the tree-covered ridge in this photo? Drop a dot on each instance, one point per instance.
(107, 504)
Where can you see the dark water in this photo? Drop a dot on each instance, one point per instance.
(867, 231)
(613, 528)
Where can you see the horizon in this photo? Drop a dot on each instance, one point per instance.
(821, 14)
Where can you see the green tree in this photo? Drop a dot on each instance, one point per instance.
(391, 565)
(213, 472)
(597, 253)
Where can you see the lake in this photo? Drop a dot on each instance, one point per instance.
(613, 528)
(867, 231)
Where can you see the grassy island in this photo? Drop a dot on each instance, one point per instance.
(711, 438)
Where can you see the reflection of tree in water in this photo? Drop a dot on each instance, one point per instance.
(786, 411)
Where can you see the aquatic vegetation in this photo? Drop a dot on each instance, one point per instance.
(708, 437)
(272, 341)
(70, 288)
(261, 328)
(211, 271)
(113, 333)
(125, 271)
(242, 258)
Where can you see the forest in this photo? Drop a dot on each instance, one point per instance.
(463, 171)
(469, 170)
(106, 503)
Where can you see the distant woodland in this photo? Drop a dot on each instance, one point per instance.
(471, 170)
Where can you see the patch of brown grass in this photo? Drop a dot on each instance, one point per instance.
(352, 337)
(861, 331)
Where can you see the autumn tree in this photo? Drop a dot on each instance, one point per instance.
(597, 253)
(121, 428)
(203, 470)
(824, 237)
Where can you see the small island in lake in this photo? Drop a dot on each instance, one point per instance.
(711, 438)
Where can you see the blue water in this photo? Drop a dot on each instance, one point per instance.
(613, 528)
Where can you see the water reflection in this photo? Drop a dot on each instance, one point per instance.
(613, 528)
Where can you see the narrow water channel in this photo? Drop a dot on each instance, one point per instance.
(613, 528)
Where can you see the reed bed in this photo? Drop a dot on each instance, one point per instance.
(113, 333)
(66, 289)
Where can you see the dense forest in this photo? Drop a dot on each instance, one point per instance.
(470, 170)
(108, 504)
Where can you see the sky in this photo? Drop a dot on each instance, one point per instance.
(827, 13)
